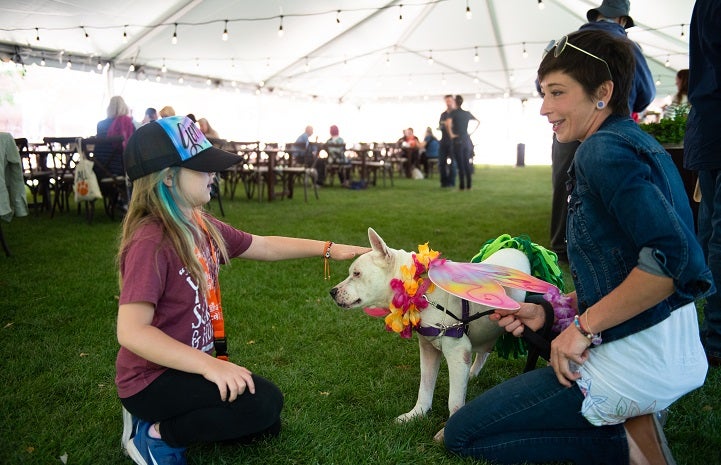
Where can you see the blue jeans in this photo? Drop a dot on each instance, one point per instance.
(709, 235)
(532, 418)
(462, 150)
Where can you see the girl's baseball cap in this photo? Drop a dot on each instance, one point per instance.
(173, 141)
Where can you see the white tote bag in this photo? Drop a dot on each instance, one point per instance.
(86, 183)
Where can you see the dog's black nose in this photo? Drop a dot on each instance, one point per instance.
(333, 292)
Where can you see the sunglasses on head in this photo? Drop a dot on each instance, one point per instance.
(560, 46)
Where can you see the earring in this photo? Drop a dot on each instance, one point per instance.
(600, 104)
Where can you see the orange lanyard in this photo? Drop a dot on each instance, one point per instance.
(212, 295)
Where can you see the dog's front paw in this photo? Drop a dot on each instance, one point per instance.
(410, 416)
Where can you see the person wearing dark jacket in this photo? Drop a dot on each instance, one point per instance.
(702, 152)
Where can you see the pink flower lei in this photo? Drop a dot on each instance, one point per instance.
(404, 311)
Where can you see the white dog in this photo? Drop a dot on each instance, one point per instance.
(368, 286)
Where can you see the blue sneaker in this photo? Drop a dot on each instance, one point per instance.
(145, 450)
(130, 427)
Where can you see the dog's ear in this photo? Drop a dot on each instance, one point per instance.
(377, 243)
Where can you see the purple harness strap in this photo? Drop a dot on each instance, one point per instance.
(456, 330)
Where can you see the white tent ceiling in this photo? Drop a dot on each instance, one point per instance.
(350, 50)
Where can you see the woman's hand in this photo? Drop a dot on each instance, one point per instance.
(569, 351)
(232, 380)
(513, 321)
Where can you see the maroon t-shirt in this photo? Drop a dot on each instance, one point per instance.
(152, 272)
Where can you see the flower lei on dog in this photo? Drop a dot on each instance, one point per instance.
(404, 311)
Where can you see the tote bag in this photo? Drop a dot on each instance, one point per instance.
(86, 183)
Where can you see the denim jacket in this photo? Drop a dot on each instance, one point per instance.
(628, 208)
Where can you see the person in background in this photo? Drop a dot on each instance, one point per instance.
(430, 146)
(206, 129)
(336, 155)
(462, 146)
(118, 121)
(680, 100)
(446, 165)
(304, 153)
(151, 114)
(702, 152)
(176, 383)
(612, 17)
(167, 111)
(410, 145)
(627, 343)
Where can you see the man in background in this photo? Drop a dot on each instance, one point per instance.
(702, 152)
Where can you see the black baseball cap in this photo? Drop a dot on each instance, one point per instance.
(173, 141)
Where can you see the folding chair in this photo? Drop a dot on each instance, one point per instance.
(107, 156)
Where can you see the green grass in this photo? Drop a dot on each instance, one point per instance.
(344, 378)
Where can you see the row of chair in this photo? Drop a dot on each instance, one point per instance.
(49, 169)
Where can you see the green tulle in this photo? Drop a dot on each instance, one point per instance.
(544, 265)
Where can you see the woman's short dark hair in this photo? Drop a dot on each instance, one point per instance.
(590, 72)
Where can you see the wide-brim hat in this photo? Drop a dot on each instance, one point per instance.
(173, 141)
(612, 9)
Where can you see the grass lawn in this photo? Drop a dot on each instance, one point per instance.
(344, 378)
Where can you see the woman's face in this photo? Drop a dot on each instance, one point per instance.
(573, 114)
(195, 186)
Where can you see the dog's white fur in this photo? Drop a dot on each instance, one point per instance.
(368, 285)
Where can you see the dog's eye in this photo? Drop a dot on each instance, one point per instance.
(356, 274)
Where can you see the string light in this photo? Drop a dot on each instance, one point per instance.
(668, 61)
(157, 78)
(541, 5)
(131, 68)
(683, 33)
(181, 80)
(280, 28)
(208, 82)
(69, 64)
(125, 34)
(476, 58)
(42, 59)
(37, 35)
(174, 39)
(430, 57)
(337, 17)
(99, 65)
(307, 65)
(525, 52)
(388, 59)
(658, 81)
(225, 31)
(469, 15)
(163, 69)
(400, 12)
(87, 36)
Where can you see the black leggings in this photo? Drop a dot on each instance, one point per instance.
(190, 411)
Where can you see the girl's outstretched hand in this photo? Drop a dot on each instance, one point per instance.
(232, 380)
(346, 252)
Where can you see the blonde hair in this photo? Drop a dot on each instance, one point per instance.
(167, 111)
(152, 200)
(117, 107)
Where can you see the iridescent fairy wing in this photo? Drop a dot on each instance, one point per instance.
(483, 283)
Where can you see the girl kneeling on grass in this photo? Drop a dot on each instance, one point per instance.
(174, 392)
